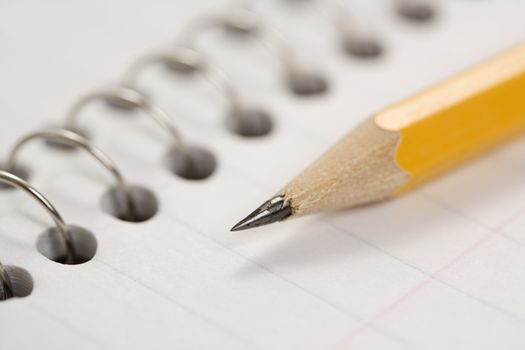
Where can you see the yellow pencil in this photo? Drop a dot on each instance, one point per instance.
(409, 142)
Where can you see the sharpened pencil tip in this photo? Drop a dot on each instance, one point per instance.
(276, 209)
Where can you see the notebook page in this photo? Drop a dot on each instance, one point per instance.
(440, 268)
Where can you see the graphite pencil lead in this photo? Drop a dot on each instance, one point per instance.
(276, 209)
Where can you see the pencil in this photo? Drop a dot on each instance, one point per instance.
(409, 142)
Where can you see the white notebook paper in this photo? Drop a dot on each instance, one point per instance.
(440, 268)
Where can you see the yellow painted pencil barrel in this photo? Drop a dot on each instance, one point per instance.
(459, 118)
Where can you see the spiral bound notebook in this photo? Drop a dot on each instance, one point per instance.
(440, 268)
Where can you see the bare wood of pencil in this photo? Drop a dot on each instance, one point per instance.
(409, 142)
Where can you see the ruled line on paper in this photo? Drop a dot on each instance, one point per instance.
(67, 325)
(295, 284)
(183, 306)
(487, 237)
